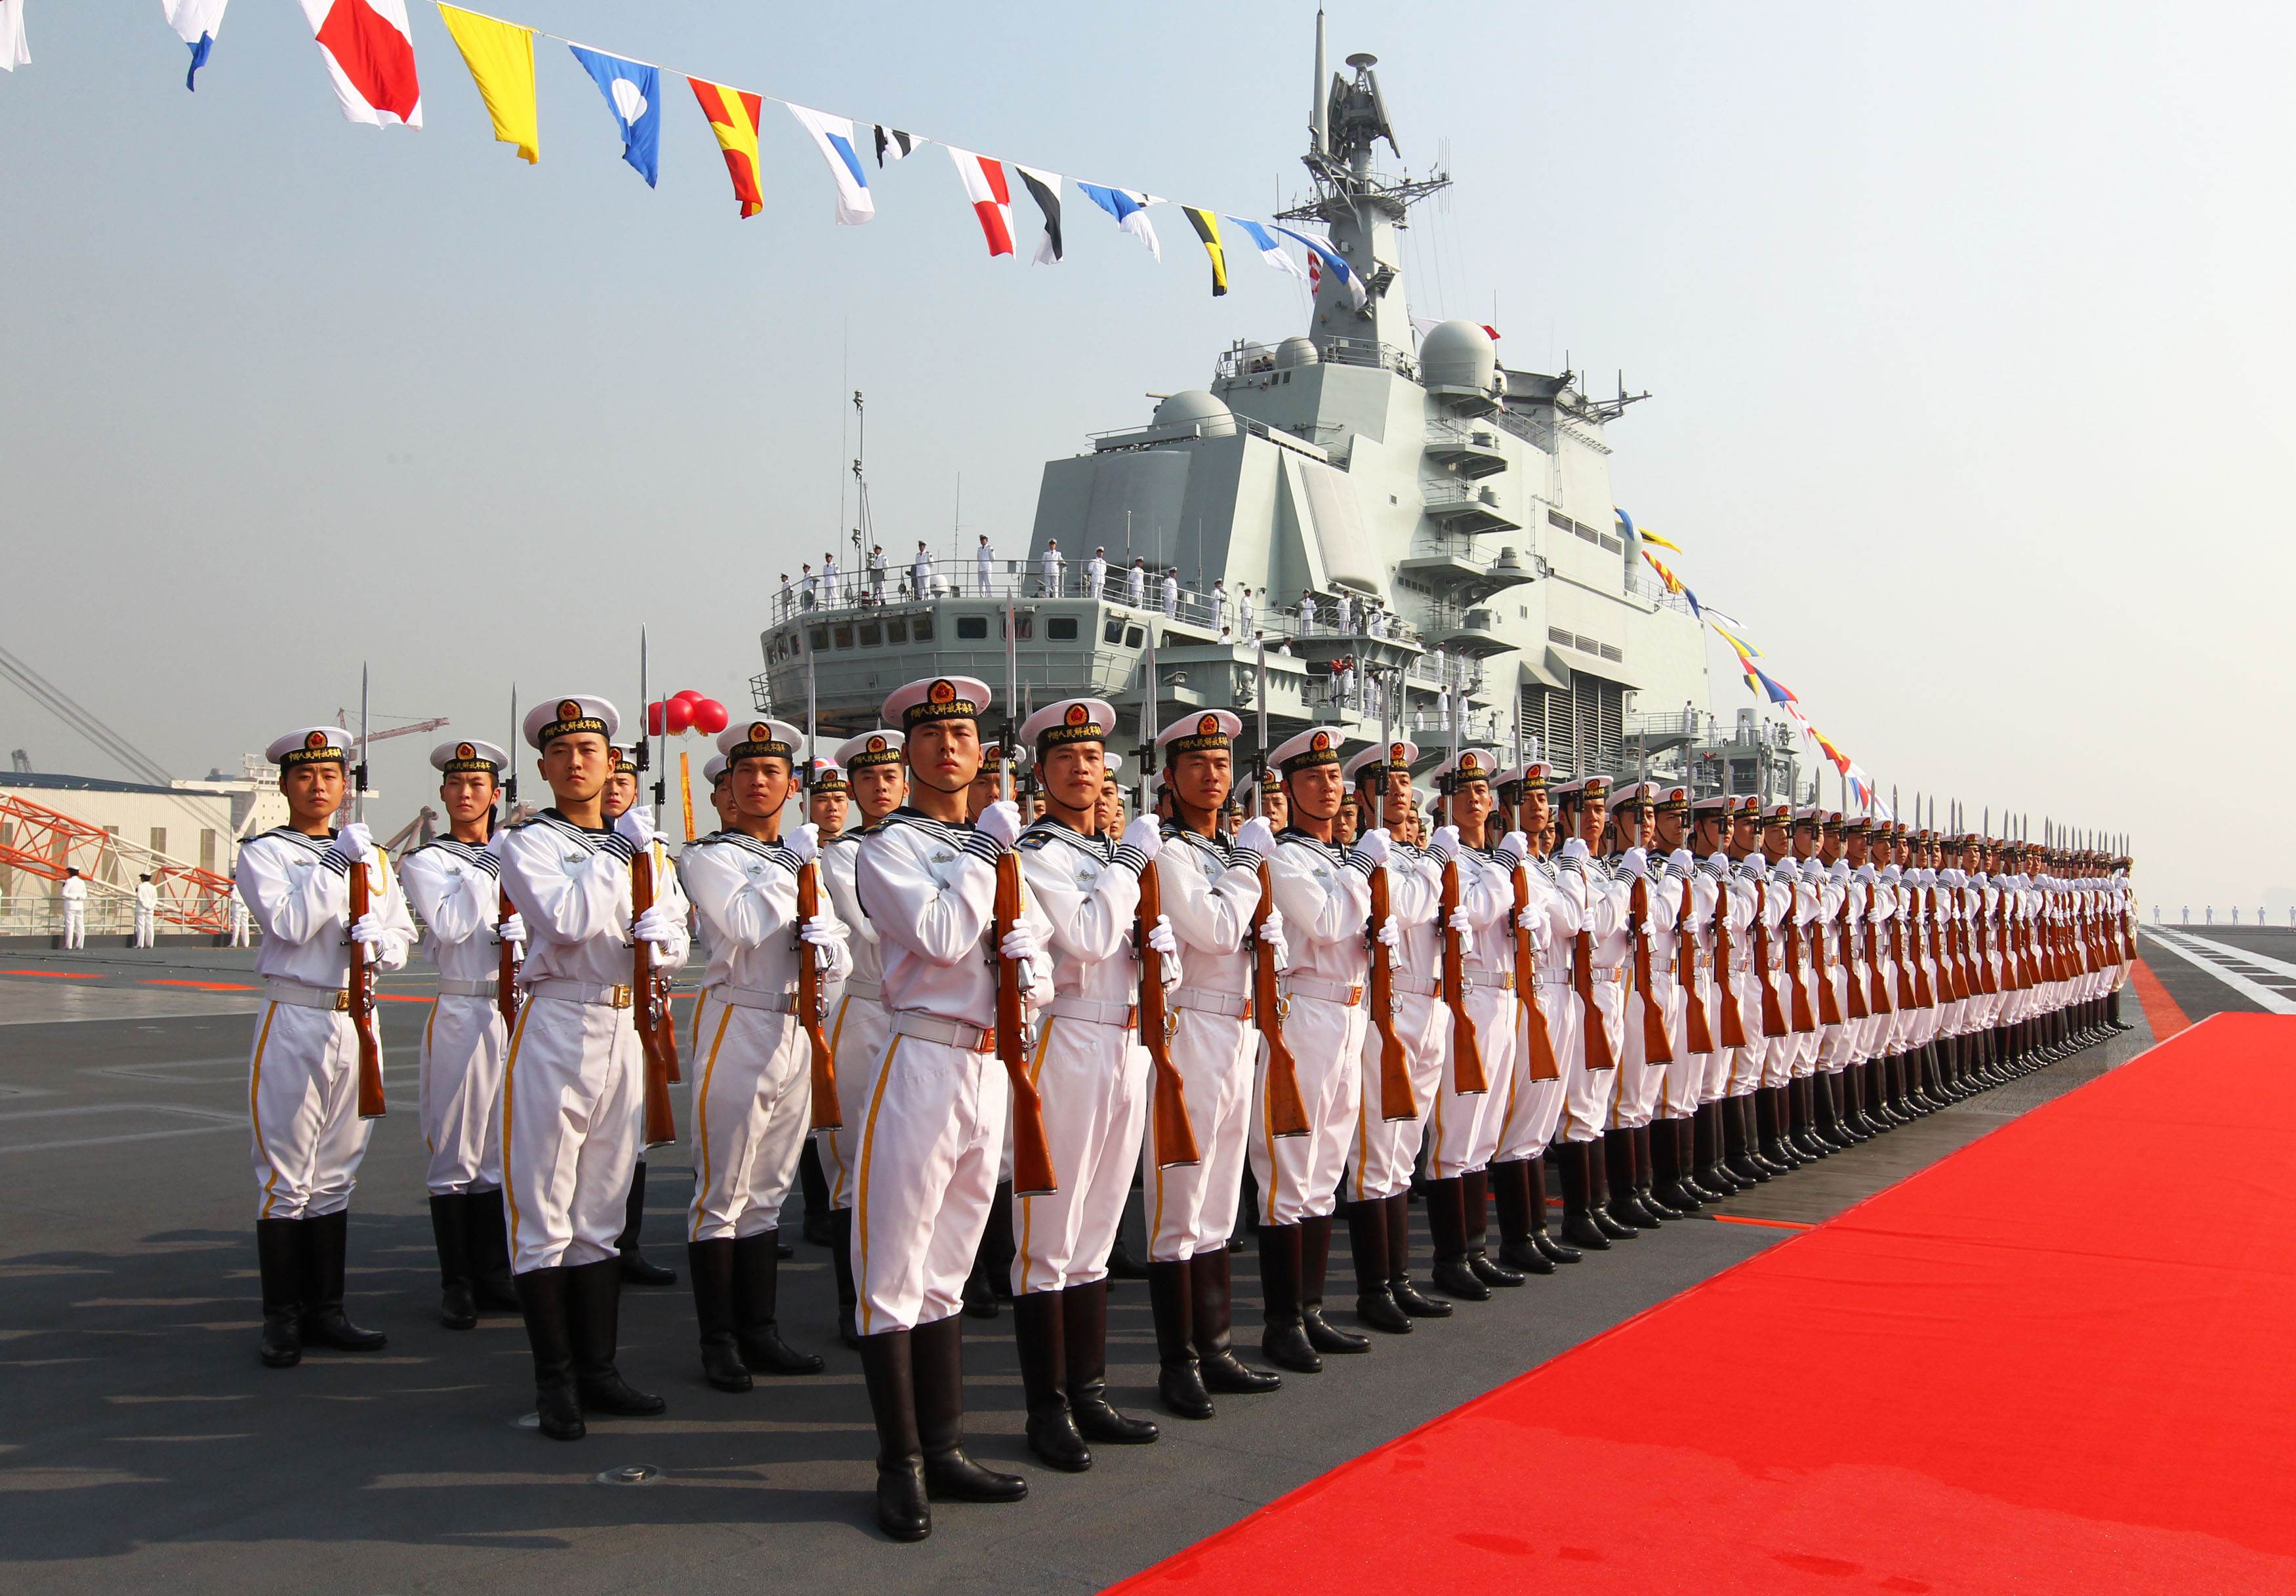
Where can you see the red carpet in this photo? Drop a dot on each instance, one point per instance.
(2061, 1360)
(2162, 1012)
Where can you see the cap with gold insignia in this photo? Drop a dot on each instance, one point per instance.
(1583, 791)
(1318, 745)
(553, 718)
(1537, 776)
(1468, 765)
(1714, 804)
(1778, 815)
(937, 697)
(992, 760)
(1808, 815)
(1672, 798)
(310, 745)
(1630, 794)
(1854, 825)
(1071, 720)
(1206, 732)
(1271, 779)
(825, 777)
(713, 769)
(1109, 764)
(625, 763)
(1388, 756)
(459, 755)
(880, 747)
(759, 739)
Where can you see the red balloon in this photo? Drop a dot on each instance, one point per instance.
(681, 715)
(689, 696)
(710, 716)
(653, 719)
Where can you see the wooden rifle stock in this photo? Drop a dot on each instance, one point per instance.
(1582, 981)
(1924, 936)
(360, 988)
(1696, 1032)
(1878, 999)
(1852, 989)
(1988, 946)
(1733, 1027)
(828, 1113)
(1829, 1007)
(1542, 1067)
(656, 1039)
(1032, 1149)
(1774, 1019)
(1397, 1099)
(1287, 1113)
(1656, 1048)
(505, 967)
(1175, 1137)
(1468, 1077)
(1798, 993)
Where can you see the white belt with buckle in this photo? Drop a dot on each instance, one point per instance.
(781, 1001)
(485, 987)
(1212, 1003)
(1331, 991)
(1502, 980)
(1609, 974)
(581, 992)
(280, 990)
(948, 1033)
(1123, 1017)
(873, 991)
(1415, 986)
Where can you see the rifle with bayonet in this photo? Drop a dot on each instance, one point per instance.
(1468, 1077)
(1175, 1139)
(1543, 1064)
(812, 1007)
(1398, 1099)
(359, 982)
(1287, 1112)
(1032, 1149)
(657, 1034)
(505, 953)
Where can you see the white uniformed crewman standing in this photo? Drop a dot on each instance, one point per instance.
(147, 913)
(303, 1087)
(455, 886)
(752, 1087)
(573, 1088)
(73, 895)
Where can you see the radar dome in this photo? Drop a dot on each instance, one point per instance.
(1296, 350)
(1193, 407)
(1458, 355)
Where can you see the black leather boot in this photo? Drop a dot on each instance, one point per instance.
(1738, 1155)
(1535, 1173)
(710, 1266)
(937, 1355)
(1375, 1304)
(450, 1214)
(1407, 1297)
(1315, 1263)
(636, 1269)
(279, 1259)
(1827, 1112)
(489, 1233)
(1578, 1226)
(1801, 1104)
(1694, 1183)
(325, 1322)
(902, 1511)
(1474, 1203)
(1179, 1377)
(840, 1260)
(813, 1180)
(1083, 1338)
(1039, 1332)
(757, 1295)
(1447, 1221)
(1285, 1338)
(593, 1312)
(1510, 1184)
(1769, 1116)
(1658, 1181)
(1619, 1213)
(542, 1300)
(1210, 1308)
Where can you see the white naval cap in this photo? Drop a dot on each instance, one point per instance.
(577, 712)
(1109, 764)
(713, 769)
(1318, 745)
(760, 740)
(467, 754)
(1468, 765)
(1069, 720)
(1398, 755)
(1632, 792)
(824, 776)
(938, 698)
(310, 745)
(880, 747)
(1207, 732)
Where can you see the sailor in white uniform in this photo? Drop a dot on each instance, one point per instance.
(573, 1088)
(303, 1086)
(73, 895)
(147, 913)
(453, 885)
(752, 1086)
(1054, 566)
(1531, 1109)
(1600, 950)
(933, 1122)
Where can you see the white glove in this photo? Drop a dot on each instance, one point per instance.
(1445, 844)
(367, 929)
(354, 843)
(512, 930)
(1682, 861)
(1574, 850)
(1633, 861)
(805, 842)
(635, 826)
(1000, 822)
(1146, 833)
(1390, 935)
(1372, 846)
(1271, 935)
(1258, 835)
(657, 926)
(1514, 848)
(823, 932)
(1160, 937)
(1533, 919)
(1460, 923)
(1020, 944)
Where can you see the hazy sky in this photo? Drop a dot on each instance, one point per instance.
(1969, 328)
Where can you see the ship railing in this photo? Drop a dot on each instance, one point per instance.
(1531, 432)
(1697, 725)
(1641, 585)
(1368, 694)
(1364, 351)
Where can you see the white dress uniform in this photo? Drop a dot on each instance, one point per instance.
(1386, 1151)
(1095, 577)
(1135, 586)
(73, 895)
(1534, 1109)
(243, 924)
(1599, 902)
(1055, 567)
(1323, 893)
(455, 889)
(147, 914)
(856, 1024)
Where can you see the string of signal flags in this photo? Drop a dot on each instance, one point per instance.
(368, 48)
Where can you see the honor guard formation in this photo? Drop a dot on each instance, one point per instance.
(975, 1029)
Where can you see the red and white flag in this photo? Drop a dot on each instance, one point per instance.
(991, 196)
(370, 56)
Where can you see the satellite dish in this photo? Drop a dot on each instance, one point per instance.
(1362, 60)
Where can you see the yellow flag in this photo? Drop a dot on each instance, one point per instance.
(501, 59)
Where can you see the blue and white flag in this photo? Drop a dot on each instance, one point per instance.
(195, 22)
(1322, 249)
(1129, 207)
(13, 51)
(834, 136)
(1270, 250)
(633, 91)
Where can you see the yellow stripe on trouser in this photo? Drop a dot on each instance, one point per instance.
(254, 1110)
(1036, 1069)
(510, 1067)
(861, 1186)
(701, 1112)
